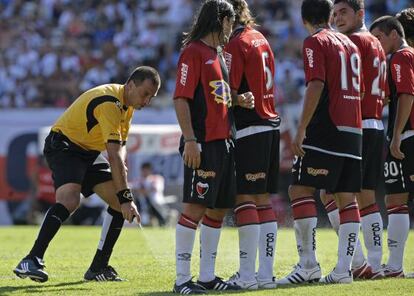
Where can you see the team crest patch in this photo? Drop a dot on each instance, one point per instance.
(202, 189)
(221, 92)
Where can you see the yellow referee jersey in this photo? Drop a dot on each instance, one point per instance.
(96, 117)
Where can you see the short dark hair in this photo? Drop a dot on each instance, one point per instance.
(243, 14)
(209, 19)
(142, 73)
(354, 4)
(146, 165)
(316, 12)
(387, 24)
(406, 18)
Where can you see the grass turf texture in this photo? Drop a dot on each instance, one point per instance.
(146, 259)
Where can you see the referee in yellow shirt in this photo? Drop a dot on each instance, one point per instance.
(98, 120)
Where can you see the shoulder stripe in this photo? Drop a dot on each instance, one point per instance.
(91, 121)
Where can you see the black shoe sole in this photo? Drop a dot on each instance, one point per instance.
(33, 277)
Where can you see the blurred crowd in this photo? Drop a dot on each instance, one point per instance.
(52, 50)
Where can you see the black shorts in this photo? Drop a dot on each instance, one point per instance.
(72, 164)
(399, 174)
(372, 158)
(325, 171)
(257, 163)
(213, 184)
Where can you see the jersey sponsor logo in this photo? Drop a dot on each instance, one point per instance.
(221, 92)
(398, 72)
(202, 189)
(255, 177)
(316, 172)
(391, 181)
(309, 55)
(346, 97)
(206, 174)
(258, 42)
(184, 72)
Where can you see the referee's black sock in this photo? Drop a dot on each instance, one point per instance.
(111, 229)
(54, 218)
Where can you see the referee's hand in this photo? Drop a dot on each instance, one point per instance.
(191, 155)
(129, 211)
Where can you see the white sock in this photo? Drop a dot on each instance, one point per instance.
(333, 217)
(348, 240)
(184, 243)
(248, 241)
(359, 257)
(267, 243)
(209, 239)
(372, 229)
(398, 227)
(305, 231)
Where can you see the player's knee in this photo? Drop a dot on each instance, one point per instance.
(296, 191)
(194, 211)
(396, 199)
(69, 201)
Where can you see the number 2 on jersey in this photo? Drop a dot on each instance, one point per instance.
(381, 77)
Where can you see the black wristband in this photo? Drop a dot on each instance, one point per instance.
(125, 196)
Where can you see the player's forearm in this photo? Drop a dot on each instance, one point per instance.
(405, 104)
(184, 118)
(312, 95)
(119, 174)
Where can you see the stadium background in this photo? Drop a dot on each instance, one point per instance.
(52, 50)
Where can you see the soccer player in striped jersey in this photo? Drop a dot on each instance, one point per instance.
(348, 17)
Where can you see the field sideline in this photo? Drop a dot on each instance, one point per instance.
(146, 259)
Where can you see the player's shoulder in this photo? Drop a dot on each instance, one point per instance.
(366, 39)
(404, 54)
(248, 37)
(194, 48)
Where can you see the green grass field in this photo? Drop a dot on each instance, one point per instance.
(146, 259)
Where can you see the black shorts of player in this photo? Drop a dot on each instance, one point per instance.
(334, 173)
(257, 163)
(399, 174)
(213, 184)
(372, 158)
(73, 164)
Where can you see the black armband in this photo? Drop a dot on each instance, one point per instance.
(125, 196)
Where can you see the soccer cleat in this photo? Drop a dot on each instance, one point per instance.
(267, 284)
(365, 272)
(107, 273)
(32, 268)
(300, 275)
(218, 284)
(337, 278)
(188, 288)
(244, 285)
(392, 273)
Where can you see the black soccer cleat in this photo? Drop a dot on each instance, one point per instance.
(219, 285)
(32, 268)
(188, 288)
(107, 273)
